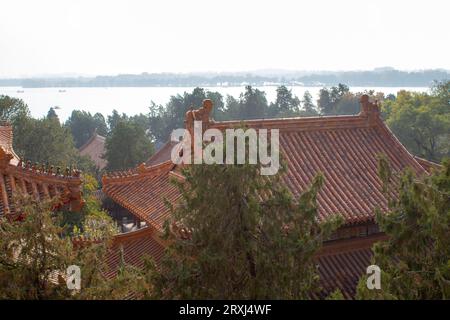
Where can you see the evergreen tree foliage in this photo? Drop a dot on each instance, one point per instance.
(237, 235)
(83, 125)
(422, 121)
(46, 141)
(36, 250)
(12, 109)
(127, 145)
(286, 104)
(415, 260)
(309, 109)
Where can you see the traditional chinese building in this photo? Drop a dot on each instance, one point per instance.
(42, 182)
(343, 148)
(94, 148)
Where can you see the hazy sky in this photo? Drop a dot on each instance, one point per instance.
(110, 37)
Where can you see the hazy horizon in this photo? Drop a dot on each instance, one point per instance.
(212, 72)
(50, 37)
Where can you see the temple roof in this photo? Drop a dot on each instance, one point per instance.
(343, 148)
(143, 191)
(94, 148)
(41, 182)
(340, 264)
(132, 247)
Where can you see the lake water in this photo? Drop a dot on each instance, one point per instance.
(136, 100)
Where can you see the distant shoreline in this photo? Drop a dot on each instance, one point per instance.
(374, 78)
(215, 86)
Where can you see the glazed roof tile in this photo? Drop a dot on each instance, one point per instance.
(143, 192)
(341, 264)
(343, 148)
(132, 247)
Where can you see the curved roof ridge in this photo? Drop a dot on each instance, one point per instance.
(148, 230)
(299, 118)
(299, 123)
(45, 176)
(427, 164)
(139, 171)
(397, 144)
(131, 234)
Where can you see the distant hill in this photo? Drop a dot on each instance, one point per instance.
(380, 77)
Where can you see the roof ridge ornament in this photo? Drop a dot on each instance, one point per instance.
(369, 110)
(141, 168)
(202, 114)
(5, 158)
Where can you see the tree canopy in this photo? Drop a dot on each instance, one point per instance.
(422, 121)
(83, 125)
(415, 260)
(47, 141)
(127, 145)
(12, 109)
(240, 247)
(37, 247)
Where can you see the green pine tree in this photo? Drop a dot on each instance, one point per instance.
(415, 261)
(236, 235)
(127, 145)
(36, 248)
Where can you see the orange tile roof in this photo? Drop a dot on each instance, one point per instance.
(94, 148)
(143, 191)
(343, 148)
(16, 177)
(347, 158)
(134, 246)
(341, 264)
